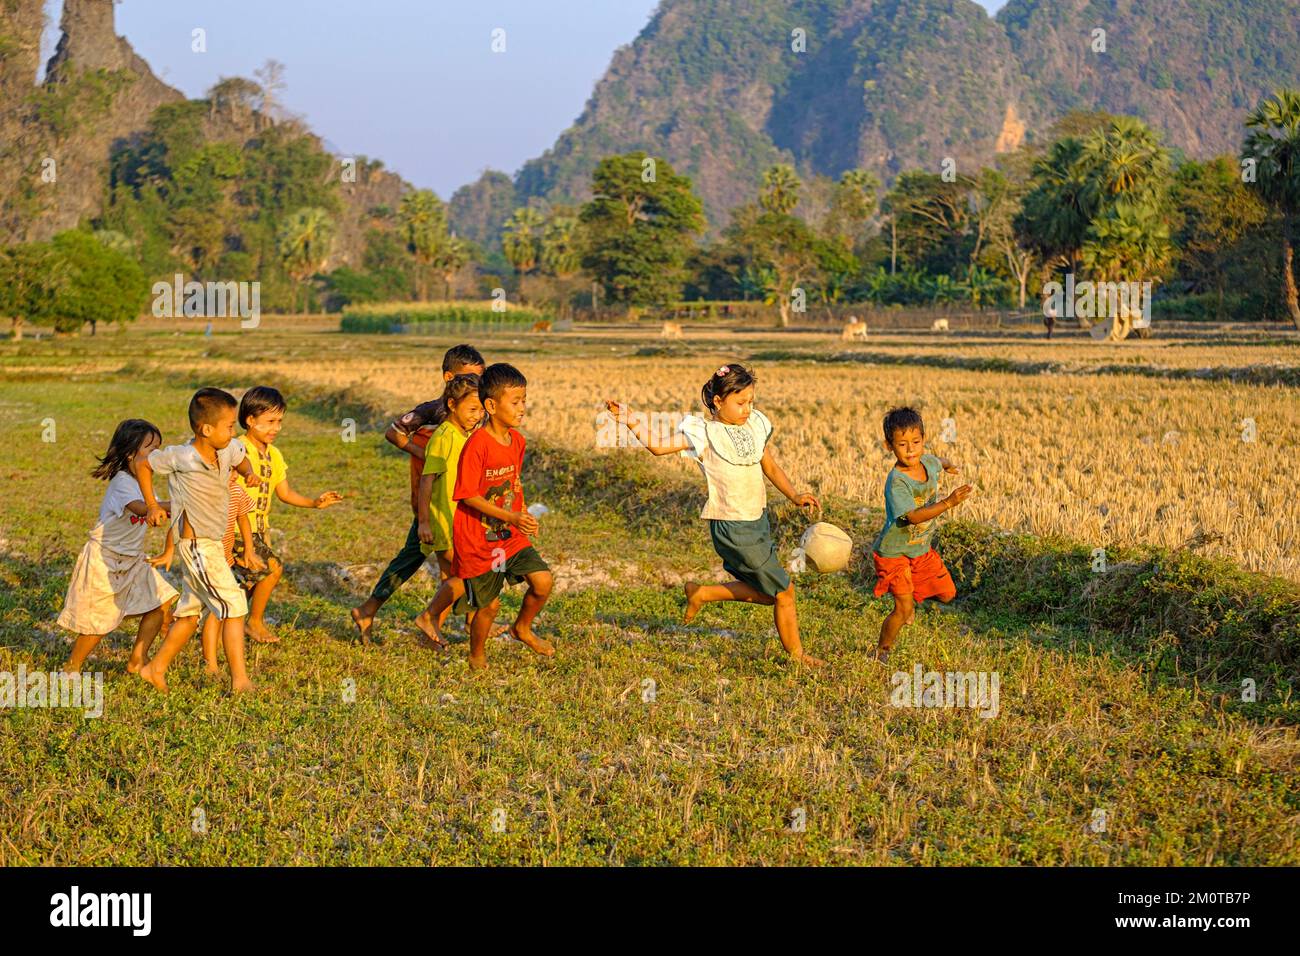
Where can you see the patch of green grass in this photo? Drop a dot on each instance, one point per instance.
(643, 741)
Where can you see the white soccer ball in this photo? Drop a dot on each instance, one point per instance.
(826, 548)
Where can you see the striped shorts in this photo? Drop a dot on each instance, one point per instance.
(207, 581)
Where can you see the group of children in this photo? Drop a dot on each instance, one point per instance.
(469, 514)
(220, 500)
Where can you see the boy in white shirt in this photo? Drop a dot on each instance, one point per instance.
(198, 475)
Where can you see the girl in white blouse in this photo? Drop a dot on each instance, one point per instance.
(731, 448)
(113, 578)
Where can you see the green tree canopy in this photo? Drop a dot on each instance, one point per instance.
(640, 226)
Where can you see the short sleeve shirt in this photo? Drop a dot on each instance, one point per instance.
(904, 494)
(731, 458)
(441, 458)
(198, 488)
(490, 470)
(271, 466)
(118, 529)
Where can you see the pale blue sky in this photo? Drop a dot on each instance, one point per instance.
(412, 82)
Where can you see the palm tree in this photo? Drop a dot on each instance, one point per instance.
(1129, 243)
(1274, 145)
(1055, 214)
(449, 259)
(303, 242)
(561, 255)
(1126, 158)
(780, 193)
(521, 239)
(423, 219)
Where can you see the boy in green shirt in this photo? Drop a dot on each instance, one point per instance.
(906, 565)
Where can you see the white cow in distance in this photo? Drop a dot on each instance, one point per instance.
(940, 325)
(854, 329)
(671, 330)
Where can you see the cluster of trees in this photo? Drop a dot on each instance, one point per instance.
(1100, 198)
(77, 278)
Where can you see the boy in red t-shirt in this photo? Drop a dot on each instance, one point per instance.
(490, 545)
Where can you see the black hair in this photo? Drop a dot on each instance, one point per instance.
(727, 380)
(260, 399)
(459, 387)
(127, 439)
(207, 403)
(902, 419)
(496, 379)
(459, 356)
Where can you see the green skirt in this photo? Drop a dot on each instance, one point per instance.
(748, 553)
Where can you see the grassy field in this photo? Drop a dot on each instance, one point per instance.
(643, 740)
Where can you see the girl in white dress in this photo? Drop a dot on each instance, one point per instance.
(113, 579)
(730, 446)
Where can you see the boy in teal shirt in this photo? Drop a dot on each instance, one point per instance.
(906, 565)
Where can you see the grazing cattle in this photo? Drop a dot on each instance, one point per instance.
(671, 330)
(940, 325)
(542, 326)
(853, 329)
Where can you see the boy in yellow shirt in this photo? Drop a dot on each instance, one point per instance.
(261, 413)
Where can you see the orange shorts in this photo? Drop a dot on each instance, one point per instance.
(923, 577)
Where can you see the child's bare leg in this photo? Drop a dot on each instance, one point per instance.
(363, 616)
(232, 636)
(151, 625)
(478, 634)
(258, 600)
(698, 595)
(211, 636)
(787, 628)
(901, 615)
(539, 591)
(81, 648)
(431, 620)
(155, 671)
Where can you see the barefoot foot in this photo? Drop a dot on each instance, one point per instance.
(244, 686)
(159, 681)
(532, 642)
(362, 623)
(693, 603)
(134, 664)
(807, 660)
(478, 663)
(430, 631)
(259, 633)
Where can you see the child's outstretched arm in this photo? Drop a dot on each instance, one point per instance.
(776, 474)
(291, 497)
(641, 430)
(924, 514)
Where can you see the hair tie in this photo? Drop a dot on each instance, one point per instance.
(723, 370)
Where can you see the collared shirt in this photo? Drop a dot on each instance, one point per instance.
(731, 458)
(199, 490)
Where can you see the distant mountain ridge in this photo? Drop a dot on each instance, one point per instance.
(715, 87)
